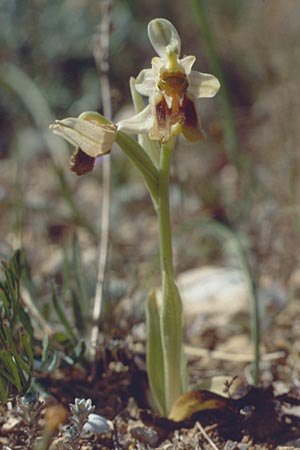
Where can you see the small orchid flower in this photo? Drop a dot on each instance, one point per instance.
(89, 135)
(172, 87)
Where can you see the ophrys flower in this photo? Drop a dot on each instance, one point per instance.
(90, 136)
(172, 87)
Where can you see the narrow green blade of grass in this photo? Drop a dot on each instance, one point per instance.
(3, 391)
(5, 371)
(54, 362)
(4, 299)
(82, 291)
(230, 132)
(12, 368)
(66, 273)
(27, 346)
(20, 362)
(12, 295)
(62, 316)
(45, 347)
(67, 288)
(77, 313)
(25, 321)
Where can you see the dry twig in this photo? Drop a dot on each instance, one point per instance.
(201, 429)
(101, 53)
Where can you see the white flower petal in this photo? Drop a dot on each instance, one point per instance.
(137, 99)
(158, 65)
(92, 138)
(203, 84)
(187, 63)
(145, 82)
(164, 37)
(140, 123)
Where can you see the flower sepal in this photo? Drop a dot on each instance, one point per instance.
(87, 132)
(164, 37)
(91, 134)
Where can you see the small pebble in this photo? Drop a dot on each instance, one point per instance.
(10, 424)
(145, 434)
(96, 424)
(242, 446)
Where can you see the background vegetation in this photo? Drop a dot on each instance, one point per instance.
(246, 176)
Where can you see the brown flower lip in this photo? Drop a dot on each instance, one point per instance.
(81, 163)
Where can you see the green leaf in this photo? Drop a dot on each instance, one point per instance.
(45, 347)
(5, 367)
(155, 365)
(77, 312)
(66, 273)
(229, 125)
(21, 364)
(82, 291)
(12, 366)
(53, 363)
(61, 338)
(25, 321)
(3, 391)
(4, 298)
(171, 323)
(27, 345)
(61, 315)
(16, 356)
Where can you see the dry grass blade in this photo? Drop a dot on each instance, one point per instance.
(225, 356)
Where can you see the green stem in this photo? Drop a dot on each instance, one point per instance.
(171, 316)
(163, 211)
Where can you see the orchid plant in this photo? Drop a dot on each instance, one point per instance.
(172, 88)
